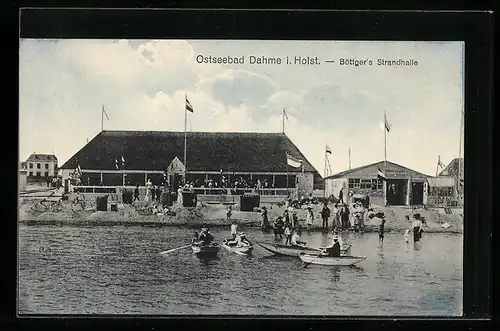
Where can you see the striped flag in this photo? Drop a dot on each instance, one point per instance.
(328, 150)
(189, 107)
(386, 123)
(293, 161)
(285, 114)
(381, 174)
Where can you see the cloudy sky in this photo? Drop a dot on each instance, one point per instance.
(142, 85)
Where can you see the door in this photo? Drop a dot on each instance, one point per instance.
(417, 194)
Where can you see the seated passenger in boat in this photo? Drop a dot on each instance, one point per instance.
(195, 238)
(243, 239)
(334, 250)
(295, 241)
(205, 237)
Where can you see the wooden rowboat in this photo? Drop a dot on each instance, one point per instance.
(288, 250)
(331, 261)
(242, 250)
(205, 250)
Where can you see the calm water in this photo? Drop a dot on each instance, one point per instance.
(117, 270)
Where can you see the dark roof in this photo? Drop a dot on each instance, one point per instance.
(379, 164)
(41, 157)
(206, 151)
(452, 168)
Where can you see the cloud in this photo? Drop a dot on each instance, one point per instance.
(143, 83)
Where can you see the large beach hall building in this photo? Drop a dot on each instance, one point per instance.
(404, 186)
(128, 158)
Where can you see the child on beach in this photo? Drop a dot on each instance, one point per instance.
(407, 235)
(381, 231)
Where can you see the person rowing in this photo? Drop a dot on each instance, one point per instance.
(334, 249)
(205, 237)
(295, 241)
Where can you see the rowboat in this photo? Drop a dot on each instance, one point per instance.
(205, 250)
(245, 249)
(331, 261)
(288, 250)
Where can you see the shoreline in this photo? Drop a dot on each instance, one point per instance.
(197, 225)
(43, 212)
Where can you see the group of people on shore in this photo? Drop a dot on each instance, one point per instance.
(153, 192)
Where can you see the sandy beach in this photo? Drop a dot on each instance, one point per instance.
(41, 210)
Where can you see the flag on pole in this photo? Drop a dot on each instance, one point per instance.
(293, 161)
(189, 107)
(104, 112)
(285, 114)
(386, 123)
(79, 170)
(440, 164)
(123, 162)
(381, 174)
(116, 164)
(328, 150)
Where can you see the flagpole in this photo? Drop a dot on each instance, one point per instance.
(324, 191)
(325, 162)
(385, 157)
(349, 158)
(459, 189)
(287, 188)
(385, 145)
(102, 118)
(185, 141)
(283, 120)
(437, 166)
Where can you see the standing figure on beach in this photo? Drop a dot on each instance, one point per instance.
(341, 195)
(344, 215)
(335, 218)
(381, 229)
(158, 193)
(288, 234)
(417, 230)
(148, 189)
(234, 229)
(295, 220)
(407, 236)
(136, 193)
(264, 224)
(153, 193)
(309, 218)
(325, 214)
(179, 195)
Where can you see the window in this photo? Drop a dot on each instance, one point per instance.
(38, 165)
(366, 183)
(31, 173)
(354, 183)
(46, 174)
(38, 174)
(377, 184)
(46, 166)
(31, 165)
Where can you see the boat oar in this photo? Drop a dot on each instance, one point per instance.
(308, 263)
(174, 249)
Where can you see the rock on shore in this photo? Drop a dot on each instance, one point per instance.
(44, 211)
